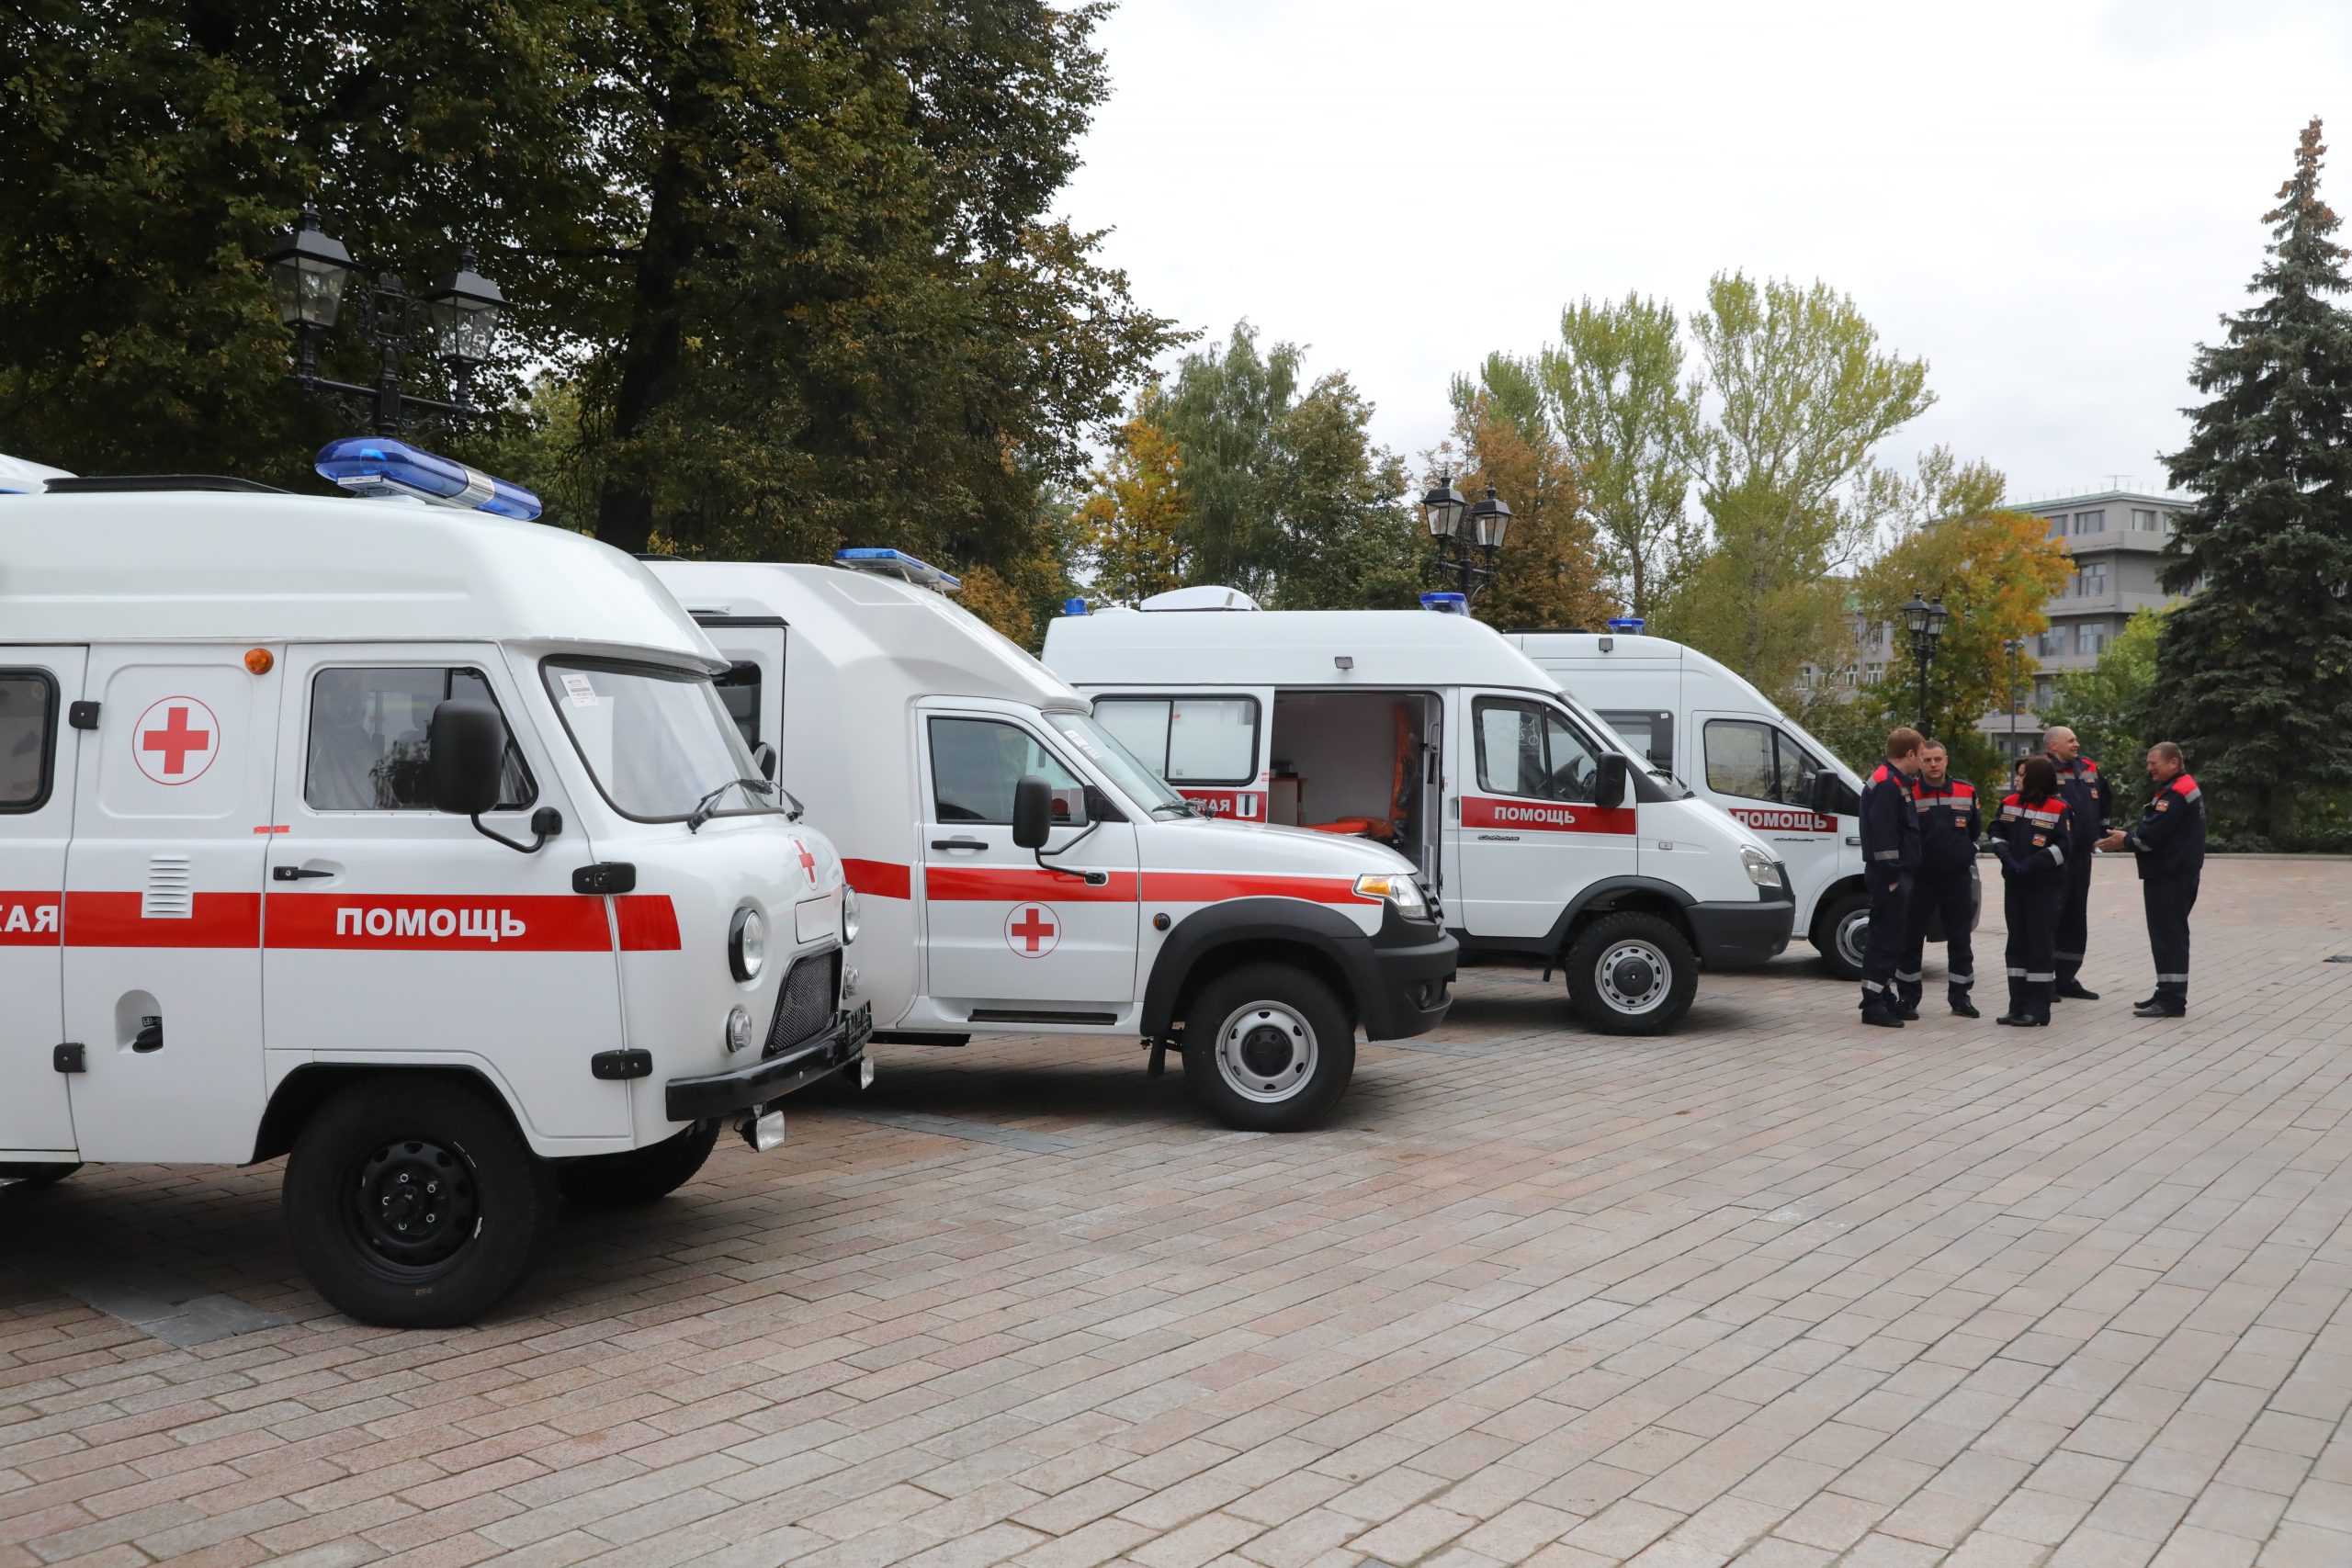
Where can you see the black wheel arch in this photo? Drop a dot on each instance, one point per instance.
(300, 1094)
(1225, 935)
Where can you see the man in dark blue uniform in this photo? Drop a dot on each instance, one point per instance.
(2169, 844)
(1950, 825)
(1890, 854)
(2090, 806)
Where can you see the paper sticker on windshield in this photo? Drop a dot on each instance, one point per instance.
(1079, 740)
(577, 687)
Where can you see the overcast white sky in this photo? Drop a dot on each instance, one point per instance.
(2052, 202)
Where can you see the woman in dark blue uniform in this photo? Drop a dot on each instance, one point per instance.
(2030, 836)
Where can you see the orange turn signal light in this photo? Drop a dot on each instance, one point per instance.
(259, 661)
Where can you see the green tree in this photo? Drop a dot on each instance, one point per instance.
(1789, 474)
(1547, 573)
(1222, 409)
(1628, 423)
(2253, 671)
(1131, 523)
(2111, 706)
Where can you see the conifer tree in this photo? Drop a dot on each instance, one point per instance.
(2253, 672)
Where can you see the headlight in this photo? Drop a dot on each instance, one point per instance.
(739, 1029)
(1762, 869)
(1401, 891)
(747, 943)
(849, 915)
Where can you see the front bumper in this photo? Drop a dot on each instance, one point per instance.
(755, 1084)
(1406, 977)
(1731, 935)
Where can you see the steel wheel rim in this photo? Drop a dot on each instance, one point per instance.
(1620, 1000)
(1266, 1052)
(411, 1206)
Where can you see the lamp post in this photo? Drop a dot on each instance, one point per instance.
(458, 315)
(2013, 646)
(1925, 622)
(1461, 526)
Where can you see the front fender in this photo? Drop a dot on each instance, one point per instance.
(1339, 941)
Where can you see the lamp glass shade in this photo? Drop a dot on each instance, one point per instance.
(1915, 616)
(464, 307)
(1937, 616)
(1490, 520)
(1442, 507)
(309, 270)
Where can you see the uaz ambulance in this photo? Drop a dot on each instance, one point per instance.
(1022, 873)
(1545, 837)
(411, 842)
(1733, 748)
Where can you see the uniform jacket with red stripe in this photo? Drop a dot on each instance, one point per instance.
(1950, 825)
(1890, 823)
(2086, 791)
(2034, 838)
(2170, 839)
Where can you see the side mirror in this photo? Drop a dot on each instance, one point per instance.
(467, 745)
(1609, 780)
(1832, 796)
(1033, 812)
(765, 755)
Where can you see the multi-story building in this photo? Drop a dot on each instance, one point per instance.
(2115, 536)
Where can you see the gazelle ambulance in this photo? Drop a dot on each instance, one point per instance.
(1020, 872)
(410, 840)
(1735, 749)
(1544, 836)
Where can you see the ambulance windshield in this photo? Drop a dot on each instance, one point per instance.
(1103, 749)
(658, 741)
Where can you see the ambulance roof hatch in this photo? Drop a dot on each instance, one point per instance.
(377, 466)
(1205, 596)
(900, 565)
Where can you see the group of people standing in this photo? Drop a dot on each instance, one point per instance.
(1920, 831)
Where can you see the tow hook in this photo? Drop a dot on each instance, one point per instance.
(1158, 1059)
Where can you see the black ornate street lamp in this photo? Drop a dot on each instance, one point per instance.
(1460, 527)
(458, 316)
(1925, 622)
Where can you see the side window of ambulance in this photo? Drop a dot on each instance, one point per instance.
(739, 693)
(1797, 768)
(368, 743)
(27, 738)
(975, 762)
(1187, 740)
(1652, 732)
(1739, 760)
(1527, 749)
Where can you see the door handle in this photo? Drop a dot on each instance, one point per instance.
(296, 872)
(958, 844)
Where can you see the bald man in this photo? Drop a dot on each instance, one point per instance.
(2090, 806)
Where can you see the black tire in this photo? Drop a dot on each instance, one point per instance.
(1838, 931)
(1632, 973)
(1268, 1048)
(374, 1160)
(640, 1176)
(40, 1175)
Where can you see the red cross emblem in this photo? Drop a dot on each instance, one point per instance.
(807, 861)
(1033, 930)
(178, 737)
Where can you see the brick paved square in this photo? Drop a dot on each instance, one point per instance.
(1776, 1288)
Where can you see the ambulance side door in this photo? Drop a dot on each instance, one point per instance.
(1005, 938)
(163, 901)
(398, 934)
(1756, 771)
(37, 752)
(1529, 838)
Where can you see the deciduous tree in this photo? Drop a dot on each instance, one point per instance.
(1547, 573)
(1131, 523)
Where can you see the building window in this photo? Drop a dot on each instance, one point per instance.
(2057, 641)
(2145, 521)
(2091, 582)
(2090, 521)
(2044, 688)
(2094, 640)
(2058, 526)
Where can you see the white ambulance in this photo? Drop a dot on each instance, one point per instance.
(1735, 749)
(1020, 872)
(411, 842)
(1545, 837)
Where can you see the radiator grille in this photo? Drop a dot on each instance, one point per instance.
(808, 1004)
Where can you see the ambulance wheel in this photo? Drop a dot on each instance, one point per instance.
(1268, 1048)
(48, 1175)
(412, 1202)
(1841, 931)
(1632, 973)
(640, 1176)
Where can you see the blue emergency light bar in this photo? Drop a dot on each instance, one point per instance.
(1073, 606)
(1446, 604)
(1630, 624)
(900, 565)
(372, 465)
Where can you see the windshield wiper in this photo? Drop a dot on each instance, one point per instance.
(708, 806)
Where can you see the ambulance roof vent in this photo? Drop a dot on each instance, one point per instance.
(900, 565)
(377, 466)
(98, 484)
(20, 476)
(1205, 597)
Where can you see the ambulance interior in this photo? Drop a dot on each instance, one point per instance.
(1364, 763)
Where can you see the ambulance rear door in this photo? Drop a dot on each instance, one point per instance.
(37, 753)
(163, 901)
(398, 934)
(1211, 745)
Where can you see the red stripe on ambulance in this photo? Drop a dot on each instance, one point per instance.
(119, 919)
(1545, 816)
(879, 878)
(989, 885)
(399, 922)
(29, 919)
(649, 923)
